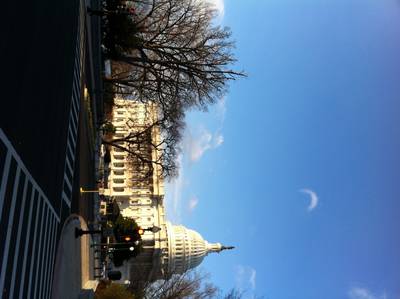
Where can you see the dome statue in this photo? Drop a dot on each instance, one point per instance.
(187, 248)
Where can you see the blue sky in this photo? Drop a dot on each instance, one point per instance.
(319, 111)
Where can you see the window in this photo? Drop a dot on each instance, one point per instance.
(119, 181)
(119, 172)
(119, 189)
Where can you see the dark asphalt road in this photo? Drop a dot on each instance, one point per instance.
(38, 72)
(84, 169)
(37, 52)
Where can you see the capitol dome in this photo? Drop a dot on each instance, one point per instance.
(187, 248)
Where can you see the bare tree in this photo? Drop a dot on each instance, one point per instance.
(234, 294)
(179, 56)
(191, 284)
(151, 142)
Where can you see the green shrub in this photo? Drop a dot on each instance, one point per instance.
(108, 128)
(125, 227)
(121, 33)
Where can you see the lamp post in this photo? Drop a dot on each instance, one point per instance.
(100, 190)
(154, 229)
(110, 244)
(131, 248)
(112, 249)
(80, 232)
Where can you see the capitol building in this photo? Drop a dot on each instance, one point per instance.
(138, 188)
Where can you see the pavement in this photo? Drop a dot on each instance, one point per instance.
(74, 263)
(74, 274)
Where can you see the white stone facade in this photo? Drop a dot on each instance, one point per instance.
(174, 249)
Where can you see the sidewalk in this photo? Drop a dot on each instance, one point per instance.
(74, 263)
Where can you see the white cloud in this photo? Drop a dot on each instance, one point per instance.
(313, 198)
(198, 146)
(363, 293)
(174, 196)
(252, 279)
(205, 141)
(192, 204)
(219, 139)
(198, 139)
(245, 278)
(219, 6)
(221, 109)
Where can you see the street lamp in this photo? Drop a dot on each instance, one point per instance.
(112, 249)
(135, 243)
(100, 191)
(154, 229)
(80, 232)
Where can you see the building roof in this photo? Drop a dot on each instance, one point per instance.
(187, 248)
